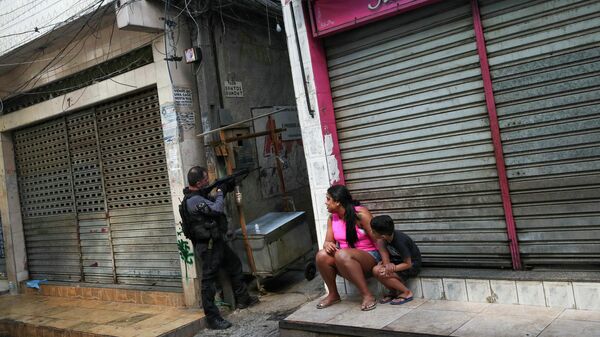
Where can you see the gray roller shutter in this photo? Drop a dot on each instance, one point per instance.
(414, 132)
(47, 202)
(137, 191)
(545, 63)
(94, 230)
(95, 196)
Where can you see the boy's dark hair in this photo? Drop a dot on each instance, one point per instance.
(383, 225)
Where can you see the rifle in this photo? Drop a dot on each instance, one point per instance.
(227, 180)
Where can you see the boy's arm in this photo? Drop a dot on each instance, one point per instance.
(406, 264)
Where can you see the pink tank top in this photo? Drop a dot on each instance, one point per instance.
(339, 234)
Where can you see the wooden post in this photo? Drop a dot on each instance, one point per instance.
(229, 164)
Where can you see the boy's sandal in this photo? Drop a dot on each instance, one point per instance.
(401, 300)
(387, 298)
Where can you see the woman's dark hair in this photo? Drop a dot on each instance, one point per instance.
(341, 194)
(382, 224)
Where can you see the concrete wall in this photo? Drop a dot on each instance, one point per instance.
(101, 42)
(317, 152)
(247, 54)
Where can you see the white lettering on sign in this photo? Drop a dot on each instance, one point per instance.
(234, 89)
(378, 4)
(182, 96)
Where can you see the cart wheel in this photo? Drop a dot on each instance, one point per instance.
(310, 270)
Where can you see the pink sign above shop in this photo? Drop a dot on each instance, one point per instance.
(330, 16)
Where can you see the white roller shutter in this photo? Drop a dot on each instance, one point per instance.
(545, 64)
(414, 133)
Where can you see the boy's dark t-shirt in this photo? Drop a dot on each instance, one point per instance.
(401, 247)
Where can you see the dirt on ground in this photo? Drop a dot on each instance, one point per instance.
(283, 295)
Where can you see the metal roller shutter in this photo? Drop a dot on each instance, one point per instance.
(414, 132)
(94, 230)
(137, 191)
(545, 65)
(95, 196)
(47, 202)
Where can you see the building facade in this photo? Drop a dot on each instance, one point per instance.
(472, 123)
(100, 121)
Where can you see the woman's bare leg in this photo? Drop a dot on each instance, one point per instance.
(353, 264)
(328, 271)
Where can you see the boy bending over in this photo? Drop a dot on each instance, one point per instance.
(402, 261)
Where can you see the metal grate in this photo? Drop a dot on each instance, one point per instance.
(112, 157)
(83, 149)
(133, 155)
(42, 159)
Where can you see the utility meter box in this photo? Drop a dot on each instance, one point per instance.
(277, 239)
(140, 15)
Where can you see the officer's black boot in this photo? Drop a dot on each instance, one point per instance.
(247, 302)
(218, 323)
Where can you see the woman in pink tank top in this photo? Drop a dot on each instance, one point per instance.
(350, 249)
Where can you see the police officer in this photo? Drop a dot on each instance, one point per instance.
(214, 251)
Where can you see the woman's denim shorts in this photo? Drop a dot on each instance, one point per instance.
(375, 254)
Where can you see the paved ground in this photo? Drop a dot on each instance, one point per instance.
(92, 316)
(447, 318)
(285, 295)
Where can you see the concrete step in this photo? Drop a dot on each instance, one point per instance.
(569, 290)
(422, 317)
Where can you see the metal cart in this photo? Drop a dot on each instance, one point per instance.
(278, 240)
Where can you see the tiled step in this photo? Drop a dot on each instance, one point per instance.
(16, 328)
(29, 315)
(91, 292)
(551, 289)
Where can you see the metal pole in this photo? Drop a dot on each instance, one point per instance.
(496, 140)
(240, 122)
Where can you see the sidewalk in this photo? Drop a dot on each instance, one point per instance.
(440, 318)
(35, 315)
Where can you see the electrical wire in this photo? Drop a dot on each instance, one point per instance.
(16, 9)
(63, 23)
(166, 36)
(45, 68)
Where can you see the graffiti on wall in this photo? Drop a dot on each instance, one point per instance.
(290, 152)
(185, 251)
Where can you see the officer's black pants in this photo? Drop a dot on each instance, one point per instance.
(221, 256)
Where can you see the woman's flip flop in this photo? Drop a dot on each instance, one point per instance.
(369, 307)
(323, 305)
